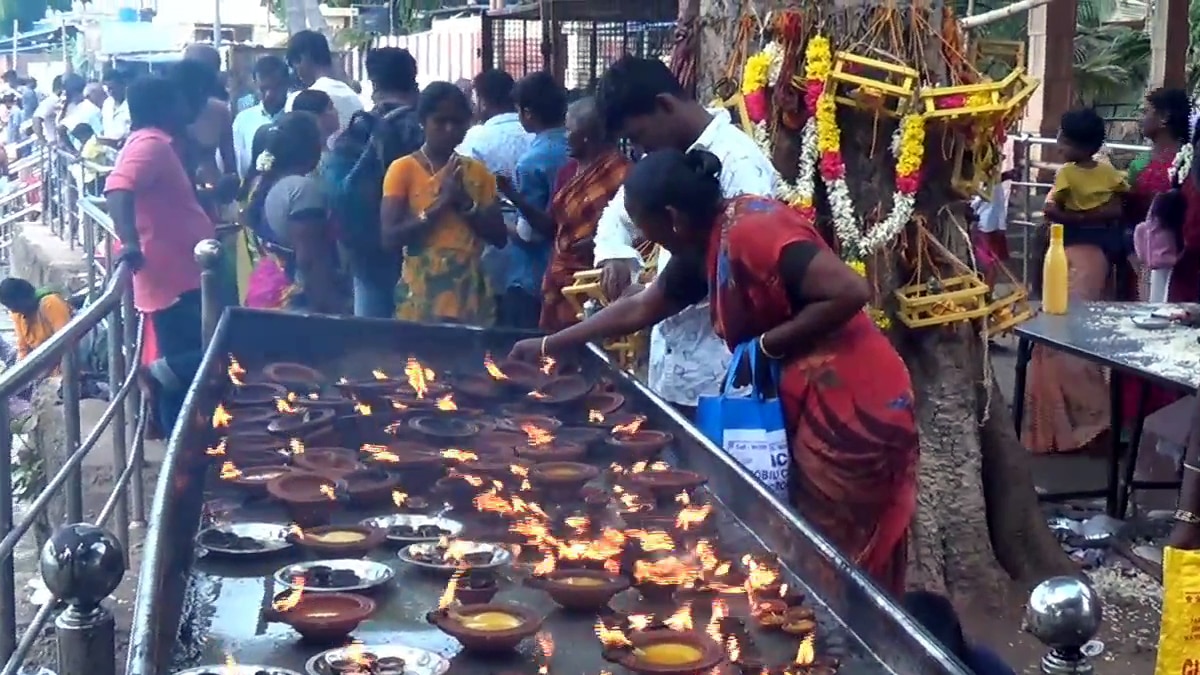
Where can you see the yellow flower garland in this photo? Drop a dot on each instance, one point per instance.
(912, 145)
(756, 74)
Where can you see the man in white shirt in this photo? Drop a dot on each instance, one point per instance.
(642, 101)
(114, 113)
(308, 54)
(271, 78)
(498, 141)
(45, 116)
(83, 101)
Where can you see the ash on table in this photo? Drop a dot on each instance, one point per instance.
(231, 542)
(321, 576)
(429, 531)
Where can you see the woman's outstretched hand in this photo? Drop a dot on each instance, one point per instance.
(528, 350)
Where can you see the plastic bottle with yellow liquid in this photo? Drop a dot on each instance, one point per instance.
(1054, 274)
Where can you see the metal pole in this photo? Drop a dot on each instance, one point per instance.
(83, 564)
(16, 31)
(66, 57)
(89, 241)
(217, 24)
(133, 404)
(212, 287)
(116, 377)
(70, 396)
(8, 589)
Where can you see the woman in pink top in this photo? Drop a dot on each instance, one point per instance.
(159, 221)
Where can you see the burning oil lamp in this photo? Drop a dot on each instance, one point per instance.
(580, 589)
(338, 541)
(485, 628)
(659, 651)
(294, 376)
(332, 462)
(477, 587)
(799, 621)
(319, 617)
(257, 395)
(309, 497)
(562, 479)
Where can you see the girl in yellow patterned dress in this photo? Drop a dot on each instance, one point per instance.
(441, 209)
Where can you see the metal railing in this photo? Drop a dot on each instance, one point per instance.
(68, 210)
(1029, 193)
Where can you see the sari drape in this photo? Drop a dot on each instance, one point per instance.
(581, 193)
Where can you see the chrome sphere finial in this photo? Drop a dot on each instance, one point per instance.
(1064, 613)
(82, 564)
(208, 253)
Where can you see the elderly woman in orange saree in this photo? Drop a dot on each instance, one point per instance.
(584, 186)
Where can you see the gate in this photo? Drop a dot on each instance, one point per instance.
(575, 40)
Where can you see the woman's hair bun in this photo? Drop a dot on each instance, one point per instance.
(704, 163)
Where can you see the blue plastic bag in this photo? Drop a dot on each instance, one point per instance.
(750, 427)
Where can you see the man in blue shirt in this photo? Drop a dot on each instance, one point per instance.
(542, 107)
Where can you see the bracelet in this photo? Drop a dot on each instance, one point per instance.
(763, 348)
(1187, 517)
(544, 339)
(1191, 467)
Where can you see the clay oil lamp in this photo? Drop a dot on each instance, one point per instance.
(806, 662)
(458, 490)
(769, 613)
(481, 387)
(309, 497)
(406, 503)
(486, 628)
(518, 375)
(246, 458)
(609, 421)
(498, 441)
(251, 420)
(604, 402)
(256, 395)
(580, 590)
(560, 391)
(666, 485)
(798, 621)
(253, 480)
(236, 443)
(417, 464)
(508, 470)
(632, 443)
(658, 580)
(477, 587)
(562, 479)
(444, 430)
(338, 541)
(332, 462)
(341, 405)
(322, 618)
(660, 651)
(293, 376)
(309, 425)
(588, 437)
(370, 487)
(372, 389)
(520, 423)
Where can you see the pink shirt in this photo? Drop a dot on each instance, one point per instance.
(168, 218)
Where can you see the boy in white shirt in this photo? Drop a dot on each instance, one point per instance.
(309, 55)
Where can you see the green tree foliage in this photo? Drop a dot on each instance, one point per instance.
(26, 12)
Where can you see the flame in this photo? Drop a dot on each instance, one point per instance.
(380, 453)
(447, 403)
(759, 576)
(358, 655)
(546, 644)
(713, 628)
(230, 472)
(418, 376)
(669, 571)
(236, 372)
(492, 369)
(653, 541)
(294, 530)
(631, 428)
(379, 375)
(457, 455)
(216, 451)
(681, 620)
(362, 408)
(292, 597)
(548, 364)
(640, 621)
(595, 417)
(805, 654)
(329, 492)
(537, 395)
(399, 498)
(546, 566)
(518, 470)
(284, 406)
(221, 417)
(296, 446)
(692, 516)
(611, 638)
(230, 663)
(447, 597)
(537, 435)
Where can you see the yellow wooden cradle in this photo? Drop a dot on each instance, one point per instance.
(630, 351)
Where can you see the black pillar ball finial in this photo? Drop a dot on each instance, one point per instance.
(82, 564)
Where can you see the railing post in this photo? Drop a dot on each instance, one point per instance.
(8, 589)
(89, 243)
(133, 403)
(116, 377)
(70, 397)
(212, 291)
(1064, 613)
(82, 564)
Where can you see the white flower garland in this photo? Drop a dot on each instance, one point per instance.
(1181, 164)
(774, 51)
(801, 192)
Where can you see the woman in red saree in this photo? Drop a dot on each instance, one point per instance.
(846, 393)
(584, 186)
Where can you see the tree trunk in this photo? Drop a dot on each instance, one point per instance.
(978, 526)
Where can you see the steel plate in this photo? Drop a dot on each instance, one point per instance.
(373, 574)
(500, 556)
(272, 536)
(236, 669)
(416, 661)
(452, 526)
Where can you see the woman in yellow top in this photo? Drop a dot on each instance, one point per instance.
(36, 314)
(441, 209)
